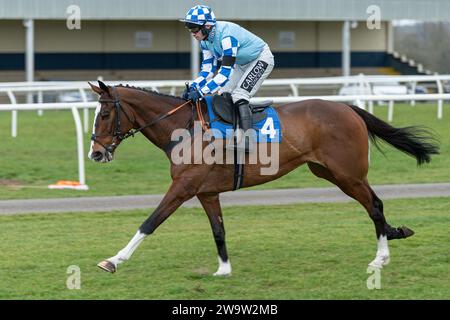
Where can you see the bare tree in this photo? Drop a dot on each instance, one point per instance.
(427, 43)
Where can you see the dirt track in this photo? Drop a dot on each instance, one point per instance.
(237, 198)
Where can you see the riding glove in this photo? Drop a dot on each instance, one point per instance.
(194, 95)
(186, 92)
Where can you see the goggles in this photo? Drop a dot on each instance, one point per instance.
(192, 27)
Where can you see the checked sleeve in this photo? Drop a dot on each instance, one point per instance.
(230, 47)
(209, 65)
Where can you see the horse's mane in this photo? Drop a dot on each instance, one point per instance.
(149, 91)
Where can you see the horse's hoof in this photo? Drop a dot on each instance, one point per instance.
(107, 266)
(407, 232)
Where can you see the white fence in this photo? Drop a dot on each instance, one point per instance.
(364, 89)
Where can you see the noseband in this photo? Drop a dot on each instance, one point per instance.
(118, 136)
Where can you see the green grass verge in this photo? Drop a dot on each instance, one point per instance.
(45, 151)
(307, 251)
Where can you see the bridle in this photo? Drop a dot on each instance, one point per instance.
(117, 135)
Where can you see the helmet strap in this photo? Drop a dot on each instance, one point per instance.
(206, 32)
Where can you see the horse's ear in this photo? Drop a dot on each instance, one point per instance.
(103, 86)
(95, 88)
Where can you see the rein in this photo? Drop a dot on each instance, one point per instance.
(200, 115)
(167, 114)
(119, 136)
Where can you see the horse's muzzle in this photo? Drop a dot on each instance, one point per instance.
(99, 156)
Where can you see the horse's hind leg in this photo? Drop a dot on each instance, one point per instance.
(360, 190)
(384, 231)
(391, 233)
(211, 204)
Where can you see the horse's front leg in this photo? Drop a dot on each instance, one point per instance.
(211, 204)
(178, 193)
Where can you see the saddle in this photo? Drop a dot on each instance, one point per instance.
(224, 109)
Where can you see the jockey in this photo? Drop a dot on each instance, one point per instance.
(246, 60)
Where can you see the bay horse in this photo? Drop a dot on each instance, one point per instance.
(331, 138)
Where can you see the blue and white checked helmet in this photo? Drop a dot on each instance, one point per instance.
(200, 15)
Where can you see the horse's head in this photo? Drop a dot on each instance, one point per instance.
(111, 123)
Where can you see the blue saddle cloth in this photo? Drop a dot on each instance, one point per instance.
(268, 129)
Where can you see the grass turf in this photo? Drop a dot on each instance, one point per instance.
(307, 251)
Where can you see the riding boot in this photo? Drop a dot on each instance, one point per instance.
(245, 123)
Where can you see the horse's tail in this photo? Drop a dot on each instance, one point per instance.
(415, 141)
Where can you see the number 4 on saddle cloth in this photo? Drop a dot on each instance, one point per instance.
(222, 114)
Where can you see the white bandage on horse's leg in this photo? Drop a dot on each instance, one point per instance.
(126, 252)
(382, 257)
(224, 268)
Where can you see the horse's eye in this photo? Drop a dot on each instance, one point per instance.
(104, 114)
